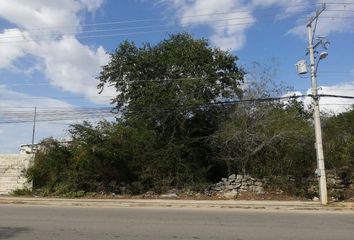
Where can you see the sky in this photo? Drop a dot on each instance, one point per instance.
(52, 51)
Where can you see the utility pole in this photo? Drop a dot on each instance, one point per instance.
(34, 128)
(316, 112)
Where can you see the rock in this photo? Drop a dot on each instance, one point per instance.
(224, 180)
(149, 194)
(315, 199)
(232, 177)
(331, 181)
(239, 176)
(259, 190)
(231, 195)
(169, 196)
(244, 187)
(334, 199)
(258, 184)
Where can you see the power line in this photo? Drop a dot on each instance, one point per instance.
(186, 28)
(164, 19)
(111, 97)
(163, 25)
(121, 34)
(335, 96)
(183, 17)
(137, 27)
(114, 96)
(44, 116)
(339, 3)
(143, 27)
(56, 97)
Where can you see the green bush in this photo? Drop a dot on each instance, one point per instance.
(25, 192)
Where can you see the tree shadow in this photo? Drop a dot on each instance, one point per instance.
(8, 232)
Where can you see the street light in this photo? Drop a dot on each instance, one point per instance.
(323, 55)
(301, 67)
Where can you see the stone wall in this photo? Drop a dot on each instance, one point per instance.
(340, 184)
(11, 171)
(232, 186)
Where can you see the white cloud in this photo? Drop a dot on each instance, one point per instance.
(337, 105)
(231, 34)
(29, 14)
(328, 22)
(64, 61)
(331, 105)
(40, 33)
(228, 29)
(72, 66)
(13, 51)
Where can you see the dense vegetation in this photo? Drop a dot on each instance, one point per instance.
(171, 131)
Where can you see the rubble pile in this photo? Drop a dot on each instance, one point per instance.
(232, 186)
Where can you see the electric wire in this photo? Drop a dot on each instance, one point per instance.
(185, 17)
(147, 32)
(64, 115)
(188, 28)
(164, 19)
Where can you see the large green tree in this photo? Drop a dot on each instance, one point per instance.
(168, 88)
(176, 73)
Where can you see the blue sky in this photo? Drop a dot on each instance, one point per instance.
(51, 51)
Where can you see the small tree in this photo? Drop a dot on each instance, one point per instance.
(265, 138)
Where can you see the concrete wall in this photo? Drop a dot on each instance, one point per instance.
(11, 171)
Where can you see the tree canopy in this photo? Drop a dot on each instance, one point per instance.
(168, 88)
(178, 72)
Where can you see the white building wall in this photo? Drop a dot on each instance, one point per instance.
(12, 167)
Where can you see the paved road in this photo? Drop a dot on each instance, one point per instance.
(48, 222)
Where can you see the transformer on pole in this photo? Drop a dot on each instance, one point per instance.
(301, 68)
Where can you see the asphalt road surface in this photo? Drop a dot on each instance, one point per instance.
(48, 222)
